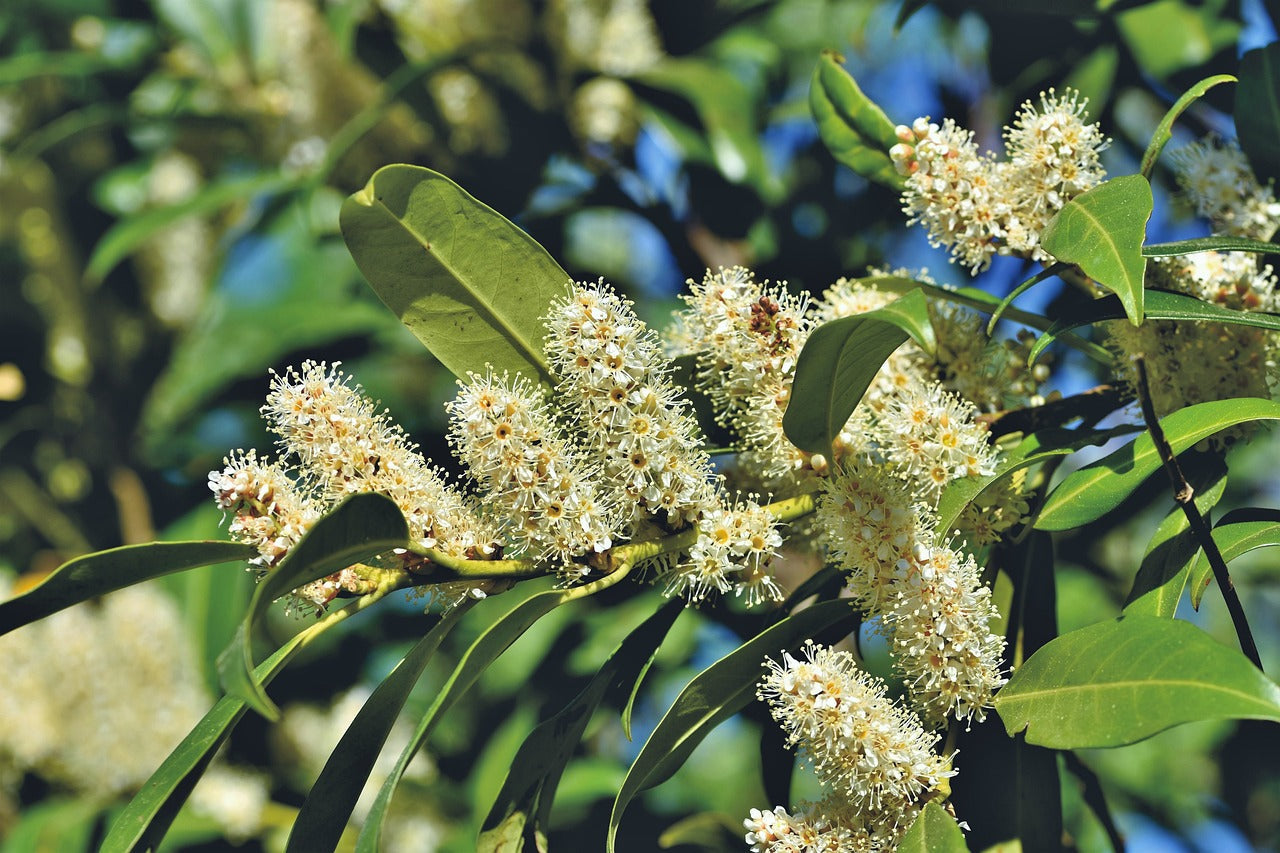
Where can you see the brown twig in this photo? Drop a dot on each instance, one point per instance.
(1090, 404)
(1184, 495)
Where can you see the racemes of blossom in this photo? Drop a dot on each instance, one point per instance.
(977, 206)
(931, 438)
(547, 492)
(1216, 177)
(734, 548)
(1198, 361)
(272, 511)
(872, 753)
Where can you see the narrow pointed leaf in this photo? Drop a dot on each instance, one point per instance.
(934, 831)
(1233, 538)
(1257, 110)
(362, 526)
(838, 363)
(853, 127)
(327, 809)
(1093, 491)
(524, 803)
(1164, 130)
(714, 695)
(145, 820)
(1163, 575)
(1216, 243)
(1102, 231)
(106, 571)
(1160, 305)
(1046, 273)
(483, 652)
(1126, 679)
(467, 282)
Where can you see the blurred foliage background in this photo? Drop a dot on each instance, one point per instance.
(170, 175)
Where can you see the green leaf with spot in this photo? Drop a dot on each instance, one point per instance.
(839, 361)
(1257, 110)
(852, 126)
(1126, 679)
(934, 831)
(467, 282)
(1102, 231)
(1093, 491)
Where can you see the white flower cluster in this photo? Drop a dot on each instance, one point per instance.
(978, 206)
(873, 754)
(1217, 178)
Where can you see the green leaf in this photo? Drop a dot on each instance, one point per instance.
(1095, 76)
(106, 571)
(1215, 243)
(483, 652)
(1161, 305)
(467, 282)
(838, 363)
(328, 806)
(361, 527)
(853, 127)
(1162, 576)
(1257, 110)
(705, 830)
(1233, 538)
(1168, 36)
(714, 695)
(727, 110)
(934, 831)
(1093, 491)
(143, 823)
(54, 825)
(14, 70)
(1048, 272)
(1038, 447)
(1164, 131)
(1101, 231)
(1126, 679)
(123, 238)
(519, 815)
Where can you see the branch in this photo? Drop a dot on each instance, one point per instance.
(1094, 798)
(1092, 404)
(1184, 496)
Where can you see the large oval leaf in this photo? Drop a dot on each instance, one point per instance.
(362, 526)
(1164, 130)
(1257, 110)
(1234, 538)
(147, 817)
(519, 815)
(1102, 231)
(1126, 679)
(1093, 491)
(838, 363)
(714, 695)
(467, 282)
(934, 831)
(1162, 576)
(106, 571)
(853, 127)
(1160, 305)
(327, 808)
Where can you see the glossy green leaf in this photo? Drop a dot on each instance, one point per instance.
(1160, 305)
(838, 363)
(1257, 110)
(467, 282)
(143, 823)
(484, 651)
(1126, 679)
(106, 571)
(726, 108)
(934, 831)
(519, 815)
(328, 806)
(1038, 447)
(1093, 491)
(1102, 231)
(123, 238)
(853, 127)
(1164, 130)
(361, 527)
(1216, 243)
(1162, 576)
(714, 695)
(1233, 539)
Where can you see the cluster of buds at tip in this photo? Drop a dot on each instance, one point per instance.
(904, 153)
